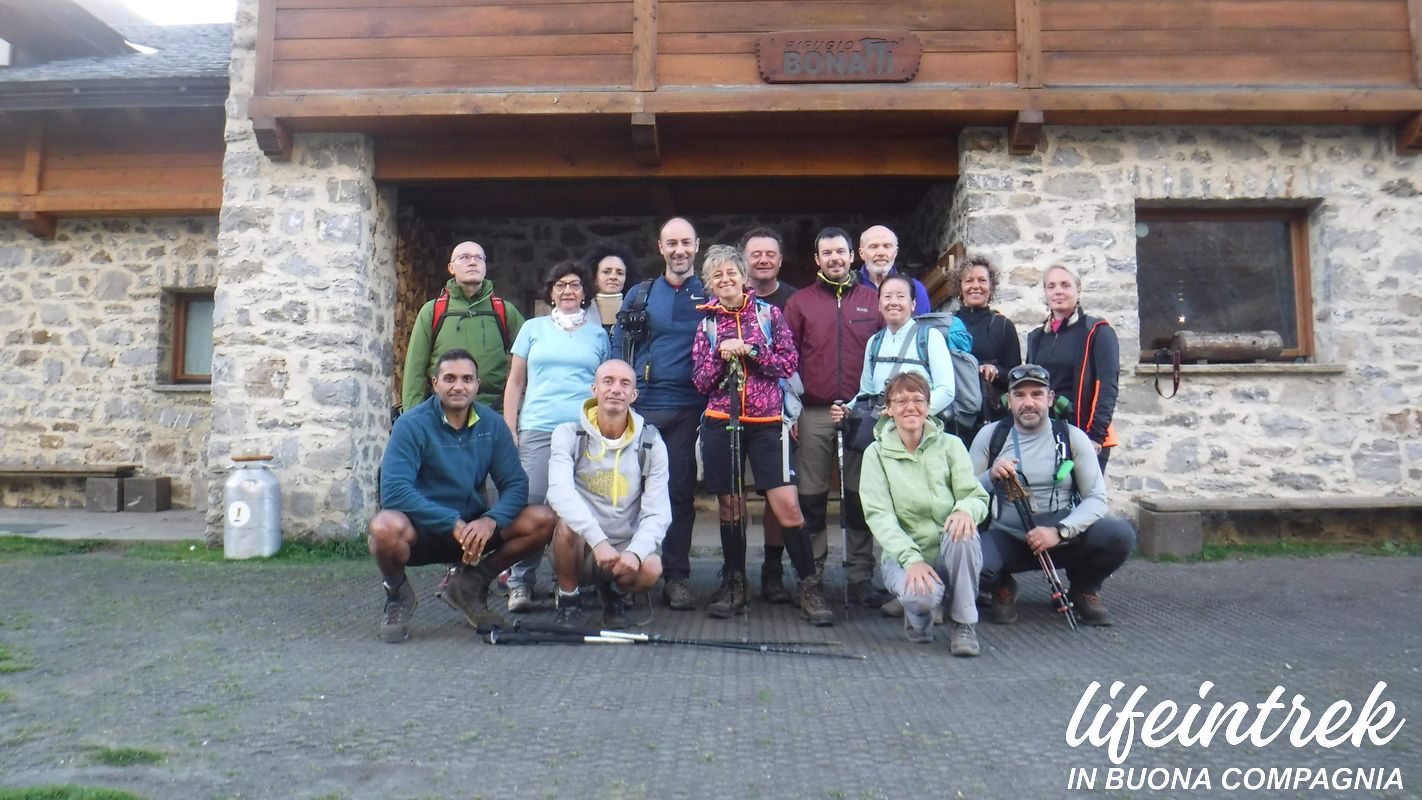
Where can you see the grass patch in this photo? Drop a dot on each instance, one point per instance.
(8, 662)
(66, 793)
(291, 552)
(126, 756)
(1230, 552)
(17, 547)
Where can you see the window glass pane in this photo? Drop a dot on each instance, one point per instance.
(1215, 276)
(197, 338)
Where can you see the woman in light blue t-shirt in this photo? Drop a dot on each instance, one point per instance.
(551, 369)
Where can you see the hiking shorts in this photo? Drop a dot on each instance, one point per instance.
(764, 444)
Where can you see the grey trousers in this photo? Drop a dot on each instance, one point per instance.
(534, 448)
(958, 565)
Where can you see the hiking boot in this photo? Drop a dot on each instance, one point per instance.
(614, 605)
(866, 595)
(1089, 609)
(520, 599)
(400, 602)
(917, 635)
(677, 594)
(570, 610)
(984, 598)
(938, 615)
(468, 593)
(964, 640)
(893, 608)
(812, 603)
(729, 599)
(772, 584)
(1004, 603)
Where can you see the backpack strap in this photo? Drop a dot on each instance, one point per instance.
(502, 315)
(647, 438)
(708, 326)
(441, 312)
(441, 307)
(640, 304)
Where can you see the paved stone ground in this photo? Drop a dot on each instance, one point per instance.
(268, 681)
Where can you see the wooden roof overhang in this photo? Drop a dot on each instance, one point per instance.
(576, 89)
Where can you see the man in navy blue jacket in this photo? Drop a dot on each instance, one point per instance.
(434, 510)
(666, 397)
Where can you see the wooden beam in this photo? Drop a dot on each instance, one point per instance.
(266, 46)
(41, 226)
(273, 137)
(1409, 136)
(88, 204)
(32, 171)
(1029, 44)
(1026, 133)
(1414, 26)
(646, 144)
(644, 45)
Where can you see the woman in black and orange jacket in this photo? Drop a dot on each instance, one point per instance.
(1083, 357)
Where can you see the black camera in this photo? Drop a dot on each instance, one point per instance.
(634, 324)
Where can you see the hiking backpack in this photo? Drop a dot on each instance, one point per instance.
(790, 388)
(441, 311)
(646, 438)
(968, 393)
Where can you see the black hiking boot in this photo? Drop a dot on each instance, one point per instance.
(400, 602)
(729, 599)
(772, 583)
(614, 605)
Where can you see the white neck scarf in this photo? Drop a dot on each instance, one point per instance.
(566, 321)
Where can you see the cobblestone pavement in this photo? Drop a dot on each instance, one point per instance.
(268, 681)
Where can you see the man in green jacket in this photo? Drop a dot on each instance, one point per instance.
(473, 318)
(923, 503)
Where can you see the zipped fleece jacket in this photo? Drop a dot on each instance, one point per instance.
(762, 398)
(832, 324)
(1084, 359)
(435, 474)
(907, 496)
(663, 361)
(599, 493)
(470, 324)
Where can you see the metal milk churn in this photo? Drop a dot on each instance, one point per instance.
(251, 503)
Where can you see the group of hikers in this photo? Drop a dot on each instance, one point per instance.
(585, 423)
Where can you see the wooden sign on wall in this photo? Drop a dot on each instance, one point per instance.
(838, 56)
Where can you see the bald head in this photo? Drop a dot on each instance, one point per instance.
(678, 244)
(615, 389)
(468, 265)
(878, 249)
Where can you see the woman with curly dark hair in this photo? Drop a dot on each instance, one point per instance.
(613, 268)
(995, 342)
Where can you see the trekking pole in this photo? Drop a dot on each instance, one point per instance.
(735, 384)
(657, 638)
(497, 635)
(1017, 493)
(843, 492)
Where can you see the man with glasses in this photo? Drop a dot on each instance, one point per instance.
(1056, 463)
(467, 315)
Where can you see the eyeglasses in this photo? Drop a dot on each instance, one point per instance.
(917, 401)
(1029, 372)
(561, 286)
(464, 258)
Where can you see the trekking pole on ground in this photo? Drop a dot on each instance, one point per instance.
(843, 491)
(735, 385)
(657, 638)
(524, 634)
(1017, 493)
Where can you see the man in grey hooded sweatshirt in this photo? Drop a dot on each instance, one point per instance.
(607, 482)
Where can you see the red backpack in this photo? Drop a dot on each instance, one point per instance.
(441, 309)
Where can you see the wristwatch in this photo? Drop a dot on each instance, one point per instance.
(1062, 532)
(754, 352)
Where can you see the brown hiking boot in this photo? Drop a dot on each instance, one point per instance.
(729, 599)
(677, 594)
(1089, 609)
(400, 602)
(1004, 603)
(812, 603)
(468, 593)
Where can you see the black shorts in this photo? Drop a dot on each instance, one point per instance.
(441, 548)
(764, 444)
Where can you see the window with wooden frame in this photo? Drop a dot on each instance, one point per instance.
(192, 337)
(1224, 270)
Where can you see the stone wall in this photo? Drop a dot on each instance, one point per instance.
(304, 317)
(1284, 434)
(85, 368)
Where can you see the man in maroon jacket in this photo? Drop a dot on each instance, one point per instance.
(832, 320)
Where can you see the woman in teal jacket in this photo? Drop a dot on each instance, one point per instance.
(923, 504)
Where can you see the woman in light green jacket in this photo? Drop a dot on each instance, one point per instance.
(923, 503)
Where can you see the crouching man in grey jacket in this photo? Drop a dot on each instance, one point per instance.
(607, 482)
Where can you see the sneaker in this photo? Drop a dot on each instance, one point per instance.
(729, 599)
(964, 640)
(917, 635)
(772, 584)
(570, 610)
(520, 599)
(677, 594)
(812, 603)
(866, 595)
(468, 593)
(400, 602)
(893, 608)
(614, 605)
(1089, 609)
(1004, 603)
